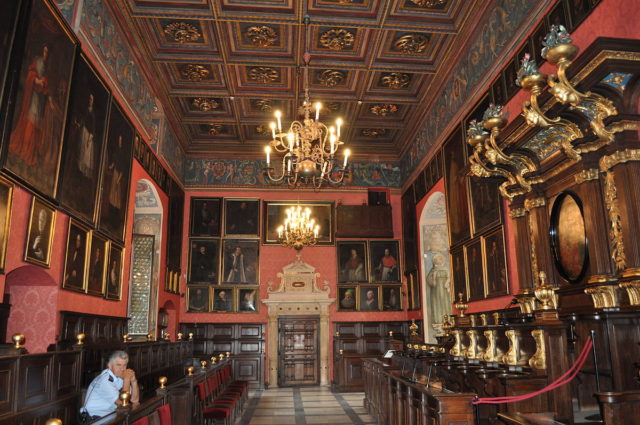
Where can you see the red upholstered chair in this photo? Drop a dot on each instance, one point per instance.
(164, 412)
(141, 421)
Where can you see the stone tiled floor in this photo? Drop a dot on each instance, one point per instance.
(304, 406)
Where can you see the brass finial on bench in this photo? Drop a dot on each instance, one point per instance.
(125, 337)
(180, 335)
(18, 340)
(203, 364)
(53, 421)
(163, 382)
(80, 339)
(413, 328)
(221, 356)
(190, 371)
(461, 306)
(149, 336)
(214, 360)
(228, 354)
(190, 336)
(124, 397)
(391, 333)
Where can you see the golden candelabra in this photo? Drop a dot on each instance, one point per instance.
(299, 229)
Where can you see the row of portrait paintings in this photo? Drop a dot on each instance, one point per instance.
(368, 261)
(479, 268)
(241, 217)
(93, 264)
(205, 299)
(218, 261)
(370, 298)
(63, 129)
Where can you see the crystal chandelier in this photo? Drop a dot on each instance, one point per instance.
(309, 147)
(299, 229)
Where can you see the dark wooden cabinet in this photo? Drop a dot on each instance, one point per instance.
(355, 341)
(364, 221)
(245, 342)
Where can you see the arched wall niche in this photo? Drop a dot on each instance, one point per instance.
(434, 264)
(33, 295)
(145, 259)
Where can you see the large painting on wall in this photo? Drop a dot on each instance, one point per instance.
(275, 214)
(455, 162)
(116, 175)
(40, 100)
(473, 259)
(98, 251)
(84, 139)
(240, 261)
(114, 273)
(42, 221)
(203, 260)
(458, 274)
(384, 261)
(352, 261)
(205, 216)
(242, 217)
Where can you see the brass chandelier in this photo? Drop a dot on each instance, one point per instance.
(299, 229)
(309, 147)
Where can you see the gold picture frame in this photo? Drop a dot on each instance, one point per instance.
(248, 300)
(96, 265)
(6, 198)
(40, 231)
(114, 272)
(226, 304)
(75, 261)
(274, 215)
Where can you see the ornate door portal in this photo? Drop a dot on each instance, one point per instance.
(298, 351)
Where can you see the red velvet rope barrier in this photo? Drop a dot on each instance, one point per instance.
(566, 377)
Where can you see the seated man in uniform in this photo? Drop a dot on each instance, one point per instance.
(102, 394)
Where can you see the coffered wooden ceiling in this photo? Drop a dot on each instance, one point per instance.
(221, 67)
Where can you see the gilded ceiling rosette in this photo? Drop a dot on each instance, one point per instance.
(337, 39)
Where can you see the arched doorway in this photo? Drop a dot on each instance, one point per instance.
(434, 254)
(145, 259)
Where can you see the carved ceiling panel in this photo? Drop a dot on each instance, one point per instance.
(221, 68)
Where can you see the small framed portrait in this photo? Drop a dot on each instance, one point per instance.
(203, 260)
(413, 290)
(6, 196)
(205, 216)
(198, 299)
(475, 273)
(74, 265)
(97, 265)
(42, 221)
(347, 298)
(458, 274)
(248, 300)
(242, 217)
(114, 273)
(391, 298)
(222, 300)
(369, 298)
(240, 261)
(384, 261)
(497, 275)
(352, 261)
(275, 212)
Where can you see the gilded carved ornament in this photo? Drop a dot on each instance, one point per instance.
(383, 109)
(193, 72)
(215, 129)
(492, 352)
(587, 175)
(458, 349)
(261, 36)
(473, 351)
(331, 78)
(427, 4)
(204, 104)
(182, 32)
(515, 355)
(604, 296)
(411, 44)
(538, 360)
(395, 80)
(337, 39)
(263, 74)
(615, 221)
(263, 105)
(374, 132)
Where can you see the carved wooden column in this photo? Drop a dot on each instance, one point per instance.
(518, 216)
(538, 223)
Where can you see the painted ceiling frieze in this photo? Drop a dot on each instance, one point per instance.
(97, 25)
(219, 172)
(66, 7)
(503, 22)
(172, 153)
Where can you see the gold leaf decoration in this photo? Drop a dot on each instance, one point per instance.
(331, 78)
(411, 44)
(263, 130)
(429, 3)
(395, 80)
(383, 109)
(337, 39)
(182, 32)
(215, 129)
(262, 36)
(374, 132)
(204, 104)
(332, 106)
(263, 105)
(263, 74)
(194, 72)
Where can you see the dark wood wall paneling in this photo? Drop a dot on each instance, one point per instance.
(245, 342)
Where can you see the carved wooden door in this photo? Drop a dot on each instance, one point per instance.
(298, 351)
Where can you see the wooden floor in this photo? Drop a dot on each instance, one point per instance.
(305, 406)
